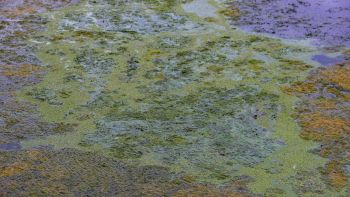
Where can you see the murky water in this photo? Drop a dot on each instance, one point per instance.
(326, 22)
(327, 61)
(174, 98)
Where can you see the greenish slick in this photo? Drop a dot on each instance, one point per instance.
(154, 83)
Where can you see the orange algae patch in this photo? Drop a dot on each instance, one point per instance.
(211, 19)
(13, 169)
(24, 9)
(319, 127)
(236, 188)
(23, 70)
(202, 190)
(336, 175)
(301, 88)
(325, 117)
(324, 104)
(18, 11)
(150, 190)
(57, 173)
(18, 167)
(231, 12)
(340, 75)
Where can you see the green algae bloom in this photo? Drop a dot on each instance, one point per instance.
(171, 93)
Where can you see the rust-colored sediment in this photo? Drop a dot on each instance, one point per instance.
(208, 191)
(19, 67)
(23, 70)
(16, 8)
(13, 169)
(56, 173)
(323, 115)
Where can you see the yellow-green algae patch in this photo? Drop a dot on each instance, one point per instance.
(169, 91)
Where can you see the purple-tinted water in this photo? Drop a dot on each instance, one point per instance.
(40, 6)
(10, 147)
(326, 21)
(328, 61)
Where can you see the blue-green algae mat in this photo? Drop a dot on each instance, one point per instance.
(175, 98)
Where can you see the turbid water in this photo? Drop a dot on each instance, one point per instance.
(174, 98)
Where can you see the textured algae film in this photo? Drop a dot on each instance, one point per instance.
(175, 98)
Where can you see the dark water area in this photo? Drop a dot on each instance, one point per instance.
(10, 147)
(328, 61)
(326, 22)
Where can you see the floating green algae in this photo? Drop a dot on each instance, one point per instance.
(154, 86)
